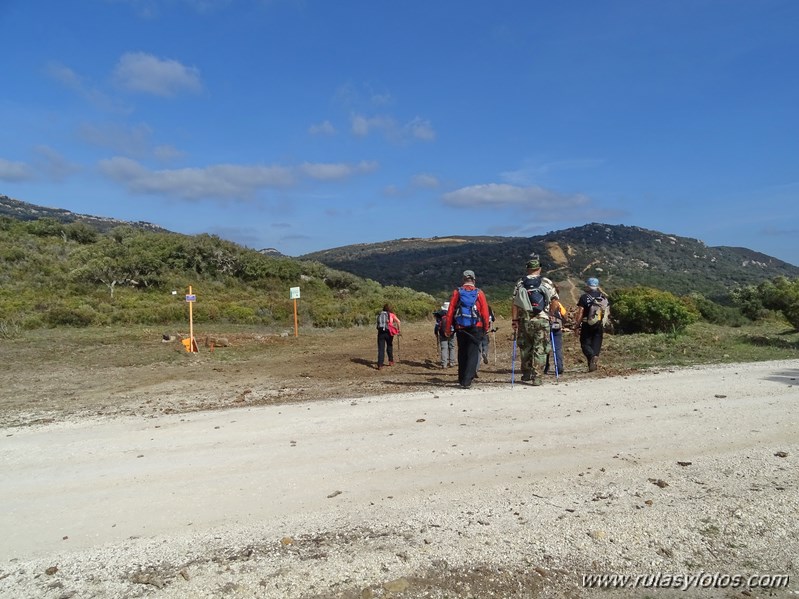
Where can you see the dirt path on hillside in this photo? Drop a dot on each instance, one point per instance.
(437, 492)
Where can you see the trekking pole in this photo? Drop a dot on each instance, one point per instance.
(554, 354)
(513, 361)
(494, 341)
(398, 345)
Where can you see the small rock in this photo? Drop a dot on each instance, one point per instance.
(397, 586)
(51, 570)
(781, 454)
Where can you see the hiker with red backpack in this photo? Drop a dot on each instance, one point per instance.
(388, 326)
(468, 313)
(592, 312)
(530, 314)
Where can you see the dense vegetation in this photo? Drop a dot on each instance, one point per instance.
(621, 256)
(54, 273)
(59, 268)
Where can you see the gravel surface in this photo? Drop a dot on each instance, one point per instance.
(686, 477)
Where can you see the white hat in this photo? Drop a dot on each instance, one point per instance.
(445, 306)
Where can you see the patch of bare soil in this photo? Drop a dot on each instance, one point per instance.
(56, 377)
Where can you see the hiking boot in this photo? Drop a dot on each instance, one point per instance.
(537, 382)
(485, 358)
(527, 376)
(380, 367)
(391, 363)
(592, 363)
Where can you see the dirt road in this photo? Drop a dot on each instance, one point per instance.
(510, 490)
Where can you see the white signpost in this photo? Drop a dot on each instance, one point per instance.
(294, 294)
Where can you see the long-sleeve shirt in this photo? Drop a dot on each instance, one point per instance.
(481, 304)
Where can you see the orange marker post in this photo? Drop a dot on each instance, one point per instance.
(190, 344)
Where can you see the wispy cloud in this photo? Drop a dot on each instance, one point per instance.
(323, 128)
(14, 172)
(533, 171)
(223, 181)
(391, 129)
(502, 195)
(74, 82)
(145, 73)
(52, 165)
(335, 171)
(425, 181)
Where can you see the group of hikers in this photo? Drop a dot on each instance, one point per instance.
(538, 319)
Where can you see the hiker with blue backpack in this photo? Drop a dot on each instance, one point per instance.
(592, 312)
(530, 314)
(468, 314)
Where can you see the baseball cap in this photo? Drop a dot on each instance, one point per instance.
(468, 274)
(533, 263)
(593, 283)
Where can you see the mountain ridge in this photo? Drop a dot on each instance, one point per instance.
(620, 255)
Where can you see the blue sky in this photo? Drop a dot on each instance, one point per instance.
(310, 124)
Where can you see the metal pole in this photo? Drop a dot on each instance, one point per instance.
(513, 361)
(554, 354)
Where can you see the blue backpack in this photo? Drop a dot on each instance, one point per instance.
(466, 314)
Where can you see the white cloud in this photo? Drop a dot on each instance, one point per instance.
(14, 172)
(145, 73)
(222, 181)
(323, 128)
(333, 171)
(501, 195)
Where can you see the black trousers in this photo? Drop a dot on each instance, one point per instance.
(469, 345)
(591, 340)
(385, 345)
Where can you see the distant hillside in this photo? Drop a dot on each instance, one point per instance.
(59, 268)
(619, 255)
(24, 211)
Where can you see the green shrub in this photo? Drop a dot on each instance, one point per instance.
(647, 310)
(77, 316)
(715, 313)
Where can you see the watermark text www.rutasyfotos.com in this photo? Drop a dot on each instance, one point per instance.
(700, 580)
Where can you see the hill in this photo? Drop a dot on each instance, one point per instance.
(24, 211)
(619, 255)
(59, 268)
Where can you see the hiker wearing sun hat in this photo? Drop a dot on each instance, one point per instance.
(530, 314)
(446, 343)
(468, 313)
(592, 312)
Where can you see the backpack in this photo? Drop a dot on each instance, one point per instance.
(466, 314)
(382, 320)
(393, 329)
(533, 299)
(596, 310)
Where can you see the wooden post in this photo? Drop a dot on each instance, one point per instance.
(295, 319)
